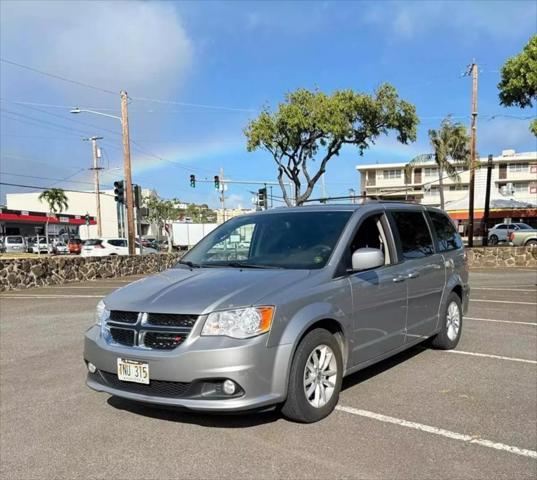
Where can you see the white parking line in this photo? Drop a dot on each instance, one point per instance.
(500, 321)
(51, 296)
(439, 431)
(501, 301)
(497, 357)
(506, 289)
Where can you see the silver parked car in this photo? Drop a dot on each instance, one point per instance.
(316, 294)
(501, 231)
(14, 244)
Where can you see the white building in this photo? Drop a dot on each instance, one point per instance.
(80, 204)
(514, 178)
(224, 215)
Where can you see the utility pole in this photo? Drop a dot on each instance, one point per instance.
(96, 169)
(485, 240)
(473, 72)
(223, 194)
(128, 174)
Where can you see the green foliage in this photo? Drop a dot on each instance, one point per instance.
(56, 199)
(451, 146)
(313, 126)
(161, 212)
(198, 213)
(518, 86)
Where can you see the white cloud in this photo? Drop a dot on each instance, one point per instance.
(134, 45)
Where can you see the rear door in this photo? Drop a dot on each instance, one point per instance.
(423, 269)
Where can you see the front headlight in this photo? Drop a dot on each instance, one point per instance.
(240, 323)
(101, 313)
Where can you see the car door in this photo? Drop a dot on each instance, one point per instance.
(423, 269)
(379, 295)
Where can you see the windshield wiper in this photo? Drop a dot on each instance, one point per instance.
(247, 265)
(188, 263)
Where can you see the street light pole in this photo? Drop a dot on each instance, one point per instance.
(127, 169)
(96, 169)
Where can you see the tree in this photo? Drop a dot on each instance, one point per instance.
(57, 203)
(451, 145)
(312, 126)
(162, 212)
(518, 86)
(198, 213)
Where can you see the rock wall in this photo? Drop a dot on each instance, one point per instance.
(502, 256)
(36, 272)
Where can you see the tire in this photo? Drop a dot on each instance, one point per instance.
(531, 242)
(449, 336)
(493, 240)
(300, 407)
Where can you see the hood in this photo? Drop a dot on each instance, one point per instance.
(201, 290)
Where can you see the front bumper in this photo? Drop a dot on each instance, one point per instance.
(261, 372)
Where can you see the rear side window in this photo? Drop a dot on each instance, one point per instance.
(446, 235)
(14, 240)
(416, 241)
(91, 242)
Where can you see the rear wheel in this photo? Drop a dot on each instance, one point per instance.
(531, 242)
(449, 336)
(315, 378)
(493, 240)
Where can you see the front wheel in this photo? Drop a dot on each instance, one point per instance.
(531, 242)
(449, 336)
(315, 378)
(493, 240)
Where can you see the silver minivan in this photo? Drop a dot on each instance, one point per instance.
(14, 244)
(275, 308)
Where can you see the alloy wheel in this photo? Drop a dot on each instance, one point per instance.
(453, 321)
(320, 374)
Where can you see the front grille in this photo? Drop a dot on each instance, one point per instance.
(163, 340)
(157, 388)
(123, 336)
(123, 317)
(171, 320)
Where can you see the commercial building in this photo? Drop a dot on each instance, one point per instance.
(224, 215)
(513, 193)
(80, 204)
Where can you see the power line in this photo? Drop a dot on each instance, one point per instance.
(58, 77)
(56, 179)
(36, 187)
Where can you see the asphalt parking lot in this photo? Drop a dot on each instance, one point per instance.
(469, 413)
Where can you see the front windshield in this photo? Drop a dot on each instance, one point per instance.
(294, 240)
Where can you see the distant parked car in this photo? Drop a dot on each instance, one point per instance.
(74, 245)
(523, 237)
(500, 232)
(14, 244)
(41, 246)
(104, 247)
(60, 249)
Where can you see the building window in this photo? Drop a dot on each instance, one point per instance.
(457, 188)
(391, 174)
(520, 187)
(431, 172)
(431, 192)
(518, 167)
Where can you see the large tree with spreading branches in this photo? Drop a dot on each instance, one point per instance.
(518, 86)
(310, 127)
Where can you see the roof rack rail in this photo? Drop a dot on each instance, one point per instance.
(362, 198)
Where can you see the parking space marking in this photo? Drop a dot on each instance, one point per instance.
(500, 321)
(506, 289)
(501, 301)
(51, 296)
(439, 431)
(497, 357)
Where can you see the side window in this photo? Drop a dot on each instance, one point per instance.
(447, 236)
(370, 234)
(414, 234)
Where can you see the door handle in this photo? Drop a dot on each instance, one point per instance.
(413, 275)
(398, 278)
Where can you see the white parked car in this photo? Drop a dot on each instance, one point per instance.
(104, 247)
(60, 248)
(42, 247)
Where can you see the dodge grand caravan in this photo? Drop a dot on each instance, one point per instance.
(275, 308)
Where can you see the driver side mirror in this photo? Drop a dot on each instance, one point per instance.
(366, 259)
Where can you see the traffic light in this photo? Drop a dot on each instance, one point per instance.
(217, 182)
(137, 196)
(262, 198)
(119, 191)
(87, 218)
(193, 181)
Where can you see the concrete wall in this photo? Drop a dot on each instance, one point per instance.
(36, 272)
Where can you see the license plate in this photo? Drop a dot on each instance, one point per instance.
(132, 371)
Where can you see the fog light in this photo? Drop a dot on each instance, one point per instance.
(229, 387)
(92, 368)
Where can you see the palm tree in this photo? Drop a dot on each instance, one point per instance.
(57, 203)
(451, 145)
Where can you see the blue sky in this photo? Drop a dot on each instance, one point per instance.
(197, 72)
